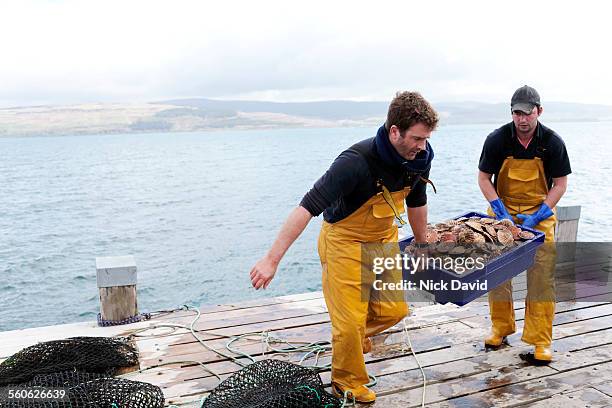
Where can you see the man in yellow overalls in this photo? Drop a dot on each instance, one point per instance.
(361, 196)
(530, 164)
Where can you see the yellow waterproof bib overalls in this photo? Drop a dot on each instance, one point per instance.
(521, 185)
(354, 310)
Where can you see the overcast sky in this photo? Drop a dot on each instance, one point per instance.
(63, 52)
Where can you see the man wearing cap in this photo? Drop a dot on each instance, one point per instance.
(530, 165)
(361, 197)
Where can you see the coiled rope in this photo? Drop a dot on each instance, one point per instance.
(315, 349)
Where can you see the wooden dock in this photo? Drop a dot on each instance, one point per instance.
(446, 338)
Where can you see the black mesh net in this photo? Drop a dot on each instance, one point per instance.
(90, 354)
(86, 390)
(104, 392)
(272, 384)
(65, 379)
(83, 368)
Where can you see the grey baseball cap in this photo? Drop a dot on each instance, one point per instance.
(524, 99)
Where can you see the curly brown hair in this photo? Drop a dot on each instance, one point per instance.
(408, 109)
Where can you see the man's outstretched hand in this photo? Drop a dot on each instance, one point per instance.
(263, 272)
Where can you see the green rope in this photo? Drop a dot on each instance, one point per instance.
(310, 389)
(314, 349)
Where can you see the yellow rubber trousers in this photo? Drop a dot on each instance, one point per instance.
(357, 311)
(521, 184)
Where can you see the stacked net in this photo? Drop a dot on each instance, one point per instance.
(272, 384)
(82, 367)
(89, 354)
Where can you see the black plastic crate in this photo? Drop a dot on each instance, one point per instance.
(495, 272)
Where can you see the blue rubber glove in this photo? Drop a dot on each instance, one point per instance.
(500, 210)
(531, 220)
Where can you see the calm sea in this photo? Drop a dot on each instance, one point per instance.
(198, 209)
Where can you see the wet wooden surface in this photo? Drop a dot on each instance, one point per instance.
(446, 338)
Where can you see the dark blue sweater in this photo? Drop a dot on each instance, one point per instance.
(351, 179)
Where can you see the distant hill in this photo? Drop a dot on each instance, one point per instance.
(452, 113)
(187, 115)
(327, 110)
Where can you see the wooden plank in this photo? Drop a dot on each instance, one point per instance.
(587, 397)
(561, 316)
(266, 312)
(606, 388)
(583, 357)
(190, 401)
(501, 388)
(260, 314)
(462, 386)
(256, 303)
(535, 390)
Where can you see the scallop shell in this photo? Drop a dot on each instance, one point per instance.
(505, 237)
(441, 226)
(490, 230)
(475, 225)
(487, 220)
(526, 235)
(452, 223)
(466, 237)
(506, 222)
(457, 229)
(479, 238)
(448, 237)
(515, 231)
(431, 236)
